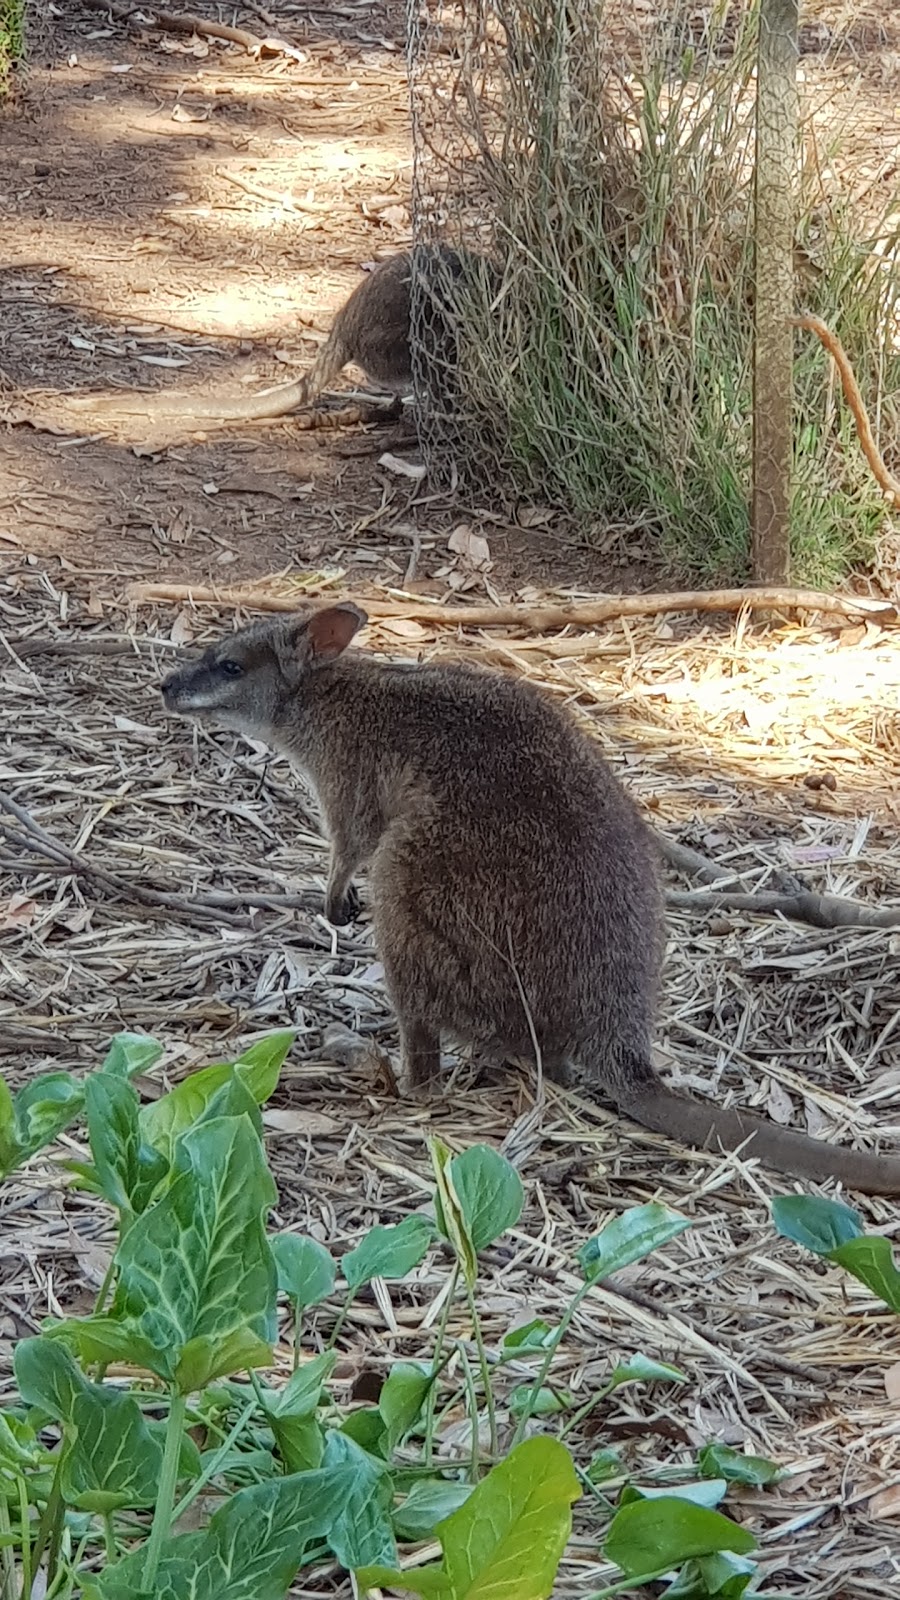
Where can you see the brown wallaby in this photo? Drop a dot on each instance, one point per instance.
(513, 885)
(371, 329)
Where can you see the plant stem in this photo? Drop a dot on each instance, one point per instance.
(485, 1369)
(341, 1319)
(109, 1537)
(212, 1467)
(473, 1412)
(437, 1362)
(298, 1329)
(628, 1585)
(7, 1556)
(64, 1582)
(49, 1528)
(162, 1516)
(544, 1368)
(25, 1519)
(104, 1287)
(585, 1410)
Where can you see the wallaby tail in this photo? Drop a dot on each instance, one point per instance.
(651, 1104)
(277, 402)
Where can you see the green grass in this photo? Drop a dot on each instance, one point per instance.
(610, 373)
(12, 38)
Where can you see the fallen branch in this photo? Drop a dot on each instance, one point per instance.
(165, 22)
(887, 483)
(820, 910)
(583, 613)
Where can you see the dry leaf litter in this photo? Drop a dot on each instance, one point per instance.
(163, 879)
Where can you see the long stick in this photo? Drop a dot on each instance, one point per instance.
(537, 619)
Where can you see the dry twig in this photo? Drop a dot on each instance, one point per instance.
(887, 483)
(167, 22)
(535, 618)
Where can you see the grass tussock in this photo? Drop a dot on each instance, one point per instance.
(12, 38)
(608, 367)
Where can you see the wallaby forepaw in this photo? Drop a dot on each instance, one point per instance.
(341, 909)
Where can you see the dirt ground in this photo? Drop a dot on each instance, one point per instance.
(178, 213)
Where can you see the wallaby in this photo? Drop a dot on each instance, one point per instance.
(513, 883)
(371, 329)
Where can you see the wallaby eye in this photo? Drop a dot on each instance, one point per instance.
(232, 669)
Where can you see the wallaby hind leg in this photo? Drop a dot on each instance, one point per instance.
(341, 895)
(558, 1069)
(420, 1054)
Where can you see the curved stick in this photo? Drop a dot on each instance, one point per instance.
(887, 483)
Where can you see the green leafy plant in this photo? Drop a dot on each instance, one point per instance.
(835, 1232)
(126, 1416)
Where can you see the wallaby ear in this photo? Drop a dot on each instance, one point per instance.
(312, 640)
(329, 631)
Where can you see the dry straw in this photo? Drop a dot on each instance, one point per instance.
(602, 156)
(713, 729)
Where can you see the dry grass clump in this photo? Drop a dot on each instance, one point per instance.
(608, 369)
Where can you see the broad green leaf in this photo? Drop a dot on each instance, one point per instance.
(604, 1465)
(291, 1413)
(507, 1540)
(19, 1446)
(535, 1335)
(720, 1461)
(640, 1369)
(47, 1377)
(104, 1340)
(709, 1492)
(232, 1099)
(251, 1549)
(546, 1403)
(127, 1170)
(820, 1225)
(34, 1116)
(449, 1213)
(430, 1501)
(9, 1142)
(300, 1441)
(258, 1068)
(196, 1279)
(129, 1053)
(388, 1252)
(428, 1581)
(113, 1459)
(260, 1065)
(870, 1258)
(720, 1577)
(306, 1270)
(628, 1238)
(656, 1534)
(365, 1427)
(217, 1355)
(402, 1397)
(489, 1191)
(360, 1533)
(303, 1391)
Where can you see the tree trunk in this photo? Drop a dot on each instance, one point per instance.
(776, 161)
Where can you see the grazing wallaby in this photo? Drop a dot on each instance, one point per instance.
(371, 329)
(513, 884)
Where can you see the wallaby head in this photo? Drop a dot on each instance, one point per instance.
(243, 682)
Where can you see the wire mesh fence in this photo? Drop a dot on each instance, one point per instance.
(582, 294)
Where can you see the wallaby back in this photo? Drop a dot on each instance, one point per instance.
(513, 883)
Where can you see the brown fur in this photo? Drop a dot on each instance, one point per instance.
(505, 860)
(371, 329)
